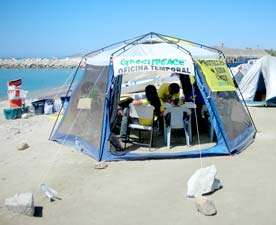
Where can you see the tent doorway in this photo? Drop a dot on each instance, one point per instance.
(260, 94)
(202, 132)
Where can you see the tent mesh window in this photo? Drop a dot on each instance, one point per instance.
(232, 113)
(85, 113)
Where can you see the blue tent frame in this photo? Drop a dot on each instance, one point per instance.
(223, 146)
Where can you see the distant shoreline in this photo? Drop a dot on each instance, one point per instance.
(41, 63)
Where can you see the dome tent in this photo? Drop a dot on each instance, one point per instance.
(92, 111)
(257, 85)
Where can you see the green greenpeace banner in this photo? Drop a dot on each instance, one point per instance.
(154, 62)
(217, 74)
(123, 65)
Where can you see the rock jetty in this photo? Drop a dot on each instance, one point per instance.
(40, 63)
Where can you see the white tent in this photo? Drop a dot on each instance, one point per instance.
(258, 84)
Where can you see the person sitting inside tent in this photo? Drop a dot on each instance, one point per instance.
(169, 92)
(152, 99)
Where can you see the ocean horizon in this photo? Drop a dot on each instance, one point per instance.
(36, 79)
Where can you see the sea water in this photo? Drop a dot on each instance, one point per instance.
(37, 79)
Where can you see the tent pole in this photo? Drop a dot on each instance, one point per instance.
(195, 43)
(130, 43)
(108, 46)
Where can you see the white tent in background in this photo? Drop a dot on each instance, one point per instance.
(240, 70)
(258, 84)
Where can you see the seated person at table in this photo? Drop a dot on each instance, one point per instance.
(169, 92)
(152, 99)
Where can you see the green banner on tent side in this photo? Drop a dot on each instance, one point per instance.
(216, 74)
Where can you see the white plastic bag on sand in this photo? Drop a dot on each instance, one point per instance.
(203, 181)
(57, 106)
(49, 192)
(48, 108)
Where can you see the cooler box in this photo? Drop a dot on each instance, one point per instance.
(15, 103)
(15, 113)
(16, 83)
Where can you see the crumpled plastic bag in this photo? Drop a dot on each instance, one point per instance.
(49, 192)
(48, 108)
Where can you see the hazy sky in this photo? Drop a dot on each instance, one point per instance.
(48, 28)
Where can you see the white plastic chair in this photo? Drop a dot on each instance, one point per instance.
(145, 112)
(178, 121)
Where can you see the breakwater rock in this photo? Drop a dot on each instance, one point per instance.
(39, 63)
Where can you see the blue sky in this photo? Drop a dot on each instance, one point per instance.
(55, 28)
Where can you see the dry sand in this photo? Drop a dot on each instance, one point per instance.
(133, 192)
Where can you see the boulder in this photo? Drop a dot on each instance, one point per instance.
(205, 206)
(22, 146)
(203, 181)
(22, 203)
(101, 165)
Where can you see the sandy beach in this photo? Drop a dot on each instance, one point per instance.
(133, 192)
